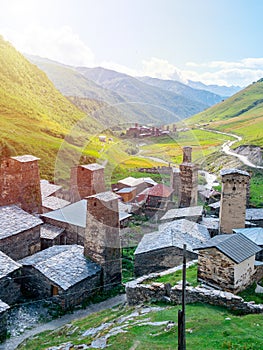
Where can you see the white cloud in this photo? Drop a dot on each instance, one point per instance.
(60, 44)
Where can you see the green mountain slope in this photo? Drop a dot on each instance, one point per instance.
(241, 114)
(34, 116)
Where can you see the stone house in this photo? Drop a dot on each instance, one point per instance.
(139, 183)
(190, 213)
(3, 320)
(227, 262)
(10, 272)
(61, 272)
(163, 249)
(159, 196)
(209, 196)
(127, 193)
(51, 235)
(19, 232)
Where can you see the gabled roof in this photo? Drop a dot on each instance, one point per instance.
(14, 220)
(160, 190)
(48, 231)
(105, 196)
(74, 214)
(233, 171)
(47, 189)
(236, 246)
(254, 214)
(92, 167)
(25, 158)
(7, 265)
(255, 234)
(54, 203)
(134, 182)
(174, 234)
(63, 265)
(182, 212)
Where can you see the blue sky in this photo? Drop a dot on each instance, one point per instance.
(212, 41)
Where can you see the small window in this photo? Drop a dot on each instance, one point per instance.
(54, 290)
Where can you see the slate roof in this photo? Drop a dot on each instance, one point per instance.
(3, 306)
(54, 203)
(74, 214)
(255, 234)
(124, 215)
(160, 190)
(14, 220)
(105, 196)
(133, 182)
(254, 214)
(236, 246)
(173, 214)
(209, 193)
(48, 231)
(210, 223)
(93, 167)
(174, 234)
(25, 158)
(233, 171)
(7, 265)
(47, 189)
(215, 205)
(64, 265)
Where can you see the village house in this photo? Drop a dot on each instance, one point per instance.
(209, 196)
(163, 249)
(190, 213)
(62, 272)
(158, 197)
(51, 235)
(127, 193)
(19, 232)
(131, 182)
(227, 262)
(10, 272)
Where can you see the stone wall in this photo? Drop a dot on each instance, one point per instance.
(138, 292)
(22, 244)
(10, 288)
(188, 185)
(3, 320)
(159, 260)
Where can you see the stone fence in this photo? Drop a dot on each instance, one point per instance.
(138, 292)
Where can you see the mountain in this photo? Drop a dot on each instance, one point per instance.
(202, 96)
(223, 91)
(34, 116)
(241, 114)
(163, 105)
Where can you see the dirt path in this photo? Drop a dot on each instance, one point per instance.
(227, 150)
(12, 343)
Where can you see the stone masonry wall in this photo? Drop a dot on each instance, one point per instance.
(189, 184)
(159, 260)
(22, 244)
(3, 323)
(10, 288)
(139, 292)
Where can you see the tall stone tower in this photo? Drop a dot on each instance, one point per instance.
(102, 236)
(20, 183)
(188, 180)
(233, 199)
(86, 180)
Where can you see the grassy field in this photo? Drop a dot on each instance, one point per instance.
(207, 327)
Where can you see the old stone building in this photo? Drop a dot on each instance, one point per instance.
(61, 272)
(233, 199)
(139, 183)
(158, 197)
(255, 234)
(127, 193)
(175, 181)
(51, 197)
(3, 320)
(163, 249)
(20, 183)
(227, 262)
(102, 236)
(19, 232)
(51, 235)
(86, 180)
(188, 180)
(10, 272)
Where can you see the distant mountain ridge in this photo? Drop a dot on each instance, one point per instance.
(224, 91)
(136, 100)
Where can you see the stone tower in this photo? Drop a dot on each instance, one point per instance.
(188, 180)
(102, 236)
(86, 180)
(20, 183)
(233, 199)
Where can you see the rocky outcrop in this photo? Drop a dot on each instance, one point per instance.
(253, 153)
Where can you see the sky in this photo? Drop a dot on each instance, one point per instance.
(212, 41)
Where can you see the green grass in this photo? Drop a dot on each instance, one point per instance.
(207, 327)
(250, 295)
